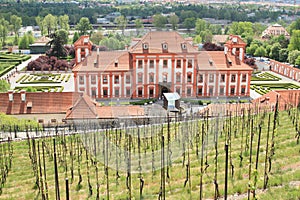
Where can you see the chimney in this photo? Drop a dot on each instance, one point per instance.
(10, 95)
(116, 63)
(126, 47)
(23, 95)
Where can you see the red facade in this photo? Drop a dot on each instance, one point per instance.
(163, 62)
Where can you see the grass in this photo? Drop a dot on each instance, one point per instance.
(284, 164)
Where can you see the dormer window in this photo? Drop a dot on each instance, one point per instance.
(145, 46)
(184, 47)
(165, 46)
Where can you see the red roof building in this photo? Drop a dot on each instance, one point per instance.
(162, 62)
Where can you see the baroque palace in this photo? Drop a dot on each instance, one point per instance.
(162, 62)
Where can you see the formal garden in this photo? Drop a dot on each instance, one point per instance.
(9, 61)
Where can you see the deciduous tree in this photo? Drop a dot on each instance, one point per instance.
(50, 23)
(159, 21)
(174, 20)
(64, 22)
(138, 25)
(121, 21)
(84, 26)
(295, 41)
(16, 24)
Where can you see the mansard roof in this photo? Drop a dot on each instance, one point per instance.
(155, 39)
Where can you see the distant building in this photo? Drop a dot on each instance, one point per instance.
(274, 30)
(162, 62)
(40, 46)
(220, 39)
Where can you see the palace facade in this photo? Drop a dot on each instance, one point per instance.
(162, 62)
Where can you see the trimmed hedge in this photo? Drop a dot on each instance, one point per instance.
(142, 102)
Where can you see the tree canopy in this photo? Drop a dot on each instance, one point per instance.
(84, 26)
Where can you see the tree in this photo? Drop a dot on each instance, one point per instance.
(16, 24)
(206, 36)
(138, 25)
(3, 31)
(295, 41)
(4, 86)
(121, 21)
(274, 52)
(216, 29)
(39, 22)
(189, 23)
(293, 55)
(241, 28)
(200, 26)
(198, 39)
(297, 62)
(24, 44)
(96, 37)
(75, 37)
(283, 55)
(63, 34)
(159, 21)
(84, 26)
(50, 23)
(251, 49)
(295, 25)
(64, 22)
(57, 46)
(174, 20)
(260, 52)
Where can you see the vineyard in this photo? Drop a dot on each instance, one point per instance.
(249, 155)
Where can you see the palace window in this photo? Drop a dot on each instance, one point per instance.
(233, 78)
(232, 91)
(244, 77)
(104, 79)
(189, 78)
(93, 79)
(211, 91)
(151, 63)
(151, 77)
(117, 92)
(190, 63)
(178, 78)
(140, 92)
(151, 92)
(211, 78)
(221, 90)
(81, 79)
(178, 63)
(189, 91)
(127, 79)
(200, 90)
(222, 77)
(140, 78)
(117, 80)
(200, 78)
(243, 90)
(140, 64)
(165, 63)
(105, 93)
